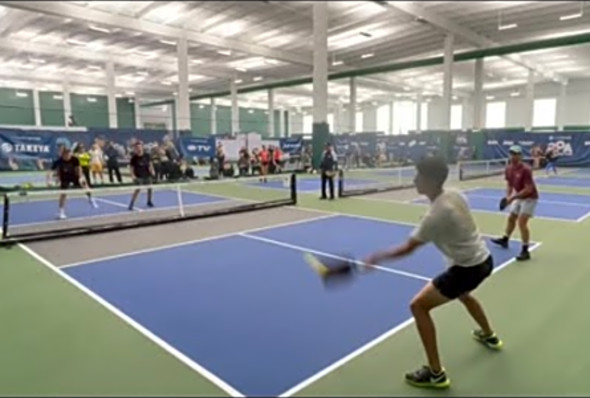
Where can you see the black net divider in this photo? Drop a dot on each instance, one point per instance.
(34, 216)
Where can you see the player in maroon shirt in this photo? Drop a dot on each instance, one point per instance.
(522, 197)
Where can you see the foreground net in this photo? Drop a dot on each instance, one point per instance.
(357, 182)
(34, 215)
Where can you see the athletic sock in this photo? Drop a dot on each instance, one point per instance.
(525, 248)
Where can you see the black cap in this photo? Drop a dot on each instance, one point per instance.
(433, 168)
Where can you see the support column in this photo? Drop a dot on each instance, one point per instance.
(235, 110)
(530, 101)
(466, 120)
(338, 118)
(447, 81)
(67, 104)
(321, 129)
(111, 94)
(391, 107)
(352, 106)
(37, 108)
(137, 112)
(271, 113)
(183, 113)
(478, 100)
(282, 114)
(213, 116)
(419, 113)
(561, 107)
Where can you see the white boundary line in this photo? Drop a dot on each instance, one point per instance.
(324, 254)
(194, 241)
(541, 201)
(138, 327)
(583, 218)
(413, 203)
(344, 360)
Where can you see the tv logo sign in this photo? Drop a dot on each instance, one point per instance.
(198, 148)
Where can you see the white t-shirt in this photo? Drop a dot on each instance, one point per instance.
(450, 225)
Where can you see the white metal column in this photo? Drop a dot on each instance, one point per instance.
(111, 94)
(213, 116)
(530, 101)
(282, 115)
(478, 100)
(137, 111)
(67, 103)
(447, 81)
(391, 109)
(271, 113)
(561, 107)
(320, 62)
(352, 106)
(235, 110)
(419, 113)
(183, 112)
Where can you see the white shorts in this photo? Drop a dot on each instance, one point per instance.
(524, 206)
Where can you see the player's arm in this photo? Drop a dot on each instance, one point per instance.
(394, 253)
(52, 173)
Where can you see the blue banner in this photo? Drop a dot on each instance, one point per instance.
(409, 148)
(573, 149)
(22, 149)
(197, 147)
(291, 145)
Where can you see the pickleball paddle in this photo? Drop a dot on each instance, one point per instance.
(333, 271)
(503, 204)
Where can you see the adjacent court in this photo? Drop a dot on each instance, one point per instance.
(555, 206)
(246, 307)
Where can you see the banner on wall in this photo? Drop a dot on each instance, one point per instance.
(291, 146)
(573, 149)
(28, 150)
(197, 147)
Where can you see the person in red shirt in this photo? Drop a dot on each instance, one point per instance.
(522, 196)
(264, 161)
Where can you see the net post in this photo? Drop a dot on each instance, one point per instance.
(5, 216)
(340, 182)
(180, 203)
(293, 188)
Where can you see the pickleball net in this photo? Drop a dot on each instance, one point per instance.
(33, 215)
(356, 182)
(470, 170)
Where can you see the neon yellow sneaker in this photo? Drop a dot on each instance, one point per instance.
(491, 341)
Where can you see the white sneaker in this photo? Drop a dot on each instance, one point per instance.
(61, 216)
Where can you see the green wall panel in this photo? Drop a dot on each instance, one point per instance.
(15, 109)
(52, 108)
(125, 113)
(88, 113)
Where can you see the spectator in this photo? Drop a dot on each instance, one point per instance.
(112, 158)
(244, 162)
(328, 167)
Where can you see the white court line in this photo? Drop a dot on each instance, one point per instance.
(498, 213)
(138, 327)
(583, 218)
(195, 241)
(324, 254)
(344, 360)
(554, 202)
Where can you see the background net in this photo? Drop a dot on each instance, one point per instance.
(33, 215)
(357, 182)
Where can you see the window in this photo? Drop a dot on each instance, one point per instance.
(544, 112)
(456, 117)
(383, 119)
(496, 115)
(358, 122)
(424, 116)
(307, 123)
(331, 121)
(404, 117)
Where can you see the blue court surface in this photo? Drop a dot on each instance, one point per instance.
(247, 308)
(557, 206)
(30, 212)
(564, 180)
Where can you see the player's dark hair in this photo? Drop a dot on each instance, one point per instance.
(433, 168)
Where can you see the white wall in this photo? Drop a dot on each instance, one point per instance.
(157, 114)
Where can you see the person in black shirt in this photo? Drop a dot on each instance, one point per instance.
(69, 173)
(113, 162)
(142, 173)
(328, 167)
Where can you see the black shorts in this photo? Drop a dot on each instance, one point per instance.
(73, 182)
(458, 280)
(144, 180)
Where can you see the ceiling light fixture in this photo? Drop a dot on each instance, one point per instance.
(574, 16)
(337, 63)
(169, 42)
(258, 78)
(224, 52)
(502, 26)
(369, 55)
(238, 81)
(241, 69)
(490, 97)
(76, 42)
(197, 62)
(514, 94)
(98, 29)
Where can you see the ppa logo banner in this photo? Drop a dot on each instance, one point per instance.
(563, 148)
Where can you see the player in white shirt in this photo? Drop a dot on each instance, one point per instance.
(96, 163)
(450, 226)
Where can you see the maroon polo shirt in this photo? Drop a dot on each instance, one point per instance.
(519, 176)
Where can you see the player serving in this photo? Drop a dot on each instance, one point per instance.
(450, 225)
(522, 197)
(142, 173)
(69, 174)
